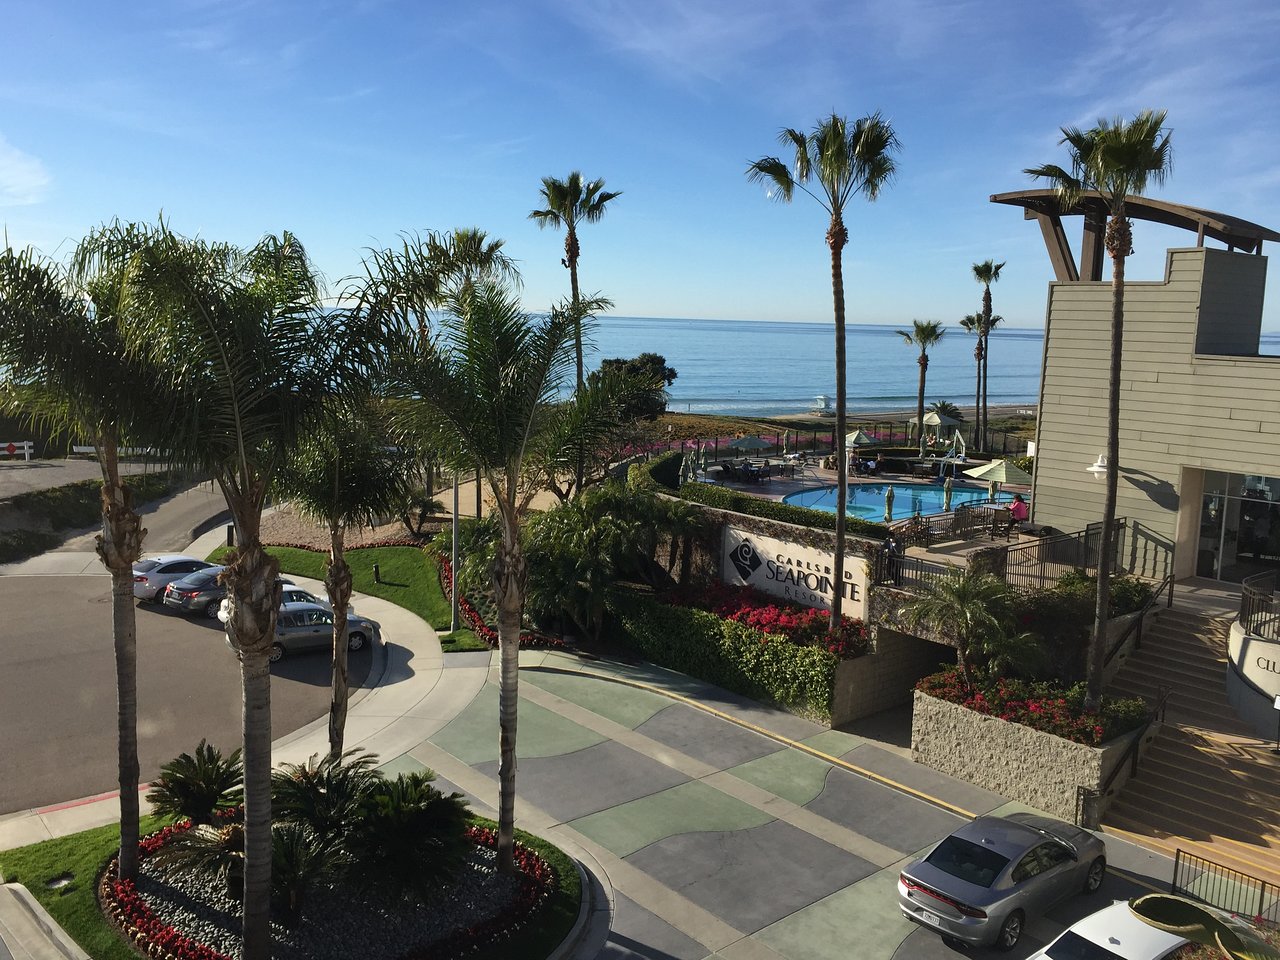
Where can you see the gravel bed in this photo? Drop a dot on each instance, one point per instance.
(337, 923)
(286, 526)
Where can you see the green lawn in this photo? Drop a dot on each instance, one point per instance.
(409, 576)
(75, 906)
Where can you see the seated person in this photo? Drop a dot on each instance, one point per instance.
(869, 467)
(1019, 512)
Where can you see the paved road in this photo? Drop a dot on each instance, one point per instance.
(19, 476)
(169, 522)
(57, 707)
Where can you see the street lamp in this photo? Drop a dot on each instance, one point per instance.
(1099, 468)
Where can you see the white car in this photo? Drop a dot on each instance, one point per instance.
(152, 574)
(1112, 933)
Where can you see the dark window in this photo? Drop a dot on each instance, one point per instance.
(145, 566)
(1027, 868)
(967, 861)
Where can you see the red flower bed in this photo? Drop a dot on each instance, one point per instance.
(804, 626)
(401, 540)
(529, 639)
(1039, 706)
(151, 936)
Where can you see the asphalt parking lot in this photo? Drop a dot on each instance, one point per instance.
(57, 689)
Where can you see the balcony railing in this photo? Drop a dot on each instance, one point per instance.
(1257, 606)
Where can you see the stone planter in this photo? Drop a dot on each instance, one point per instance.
(1036, 768)
(883, 678)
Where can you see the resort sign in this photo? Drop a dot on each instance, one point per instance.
(792, 571)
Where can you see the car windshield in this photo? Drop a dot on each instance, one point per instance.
(202, 579)
(146, 566)
(967, 861)
(1072, 946)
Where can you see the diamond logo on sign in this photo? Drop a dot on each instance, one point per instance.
(745, 560)
(11, 449)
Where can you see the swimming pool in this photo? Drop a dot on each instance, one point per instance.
(866, 500)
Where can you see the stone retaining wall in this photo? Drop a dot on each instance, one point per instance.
(885, 677)
(1013, 760)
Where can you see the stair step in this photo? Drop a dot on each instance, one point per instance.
(1238, 821)
(1157, 646)
(1169, 845)
(1170, 774)
(1262, 862)
(1178, 672)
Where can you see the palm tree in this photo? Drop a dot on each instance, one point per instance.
(986, 273)
(1118, 160)
(568, 203)
(345, 473)
(481, 392)
(972, 323)
(842, 160)
(924, 334)
(963, 607)
(67, 368)
(253, 362)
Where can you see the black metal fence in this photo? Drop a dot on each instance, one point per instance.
(1041, 563)
(1257, 606)
(1224, 888)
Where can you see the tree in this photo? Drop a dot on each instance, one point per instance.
(963, 607)
(947, 409)
(924, 334)
(67, 369)
(344, 473)
(648, 366)
(567, 203)
(251, 360)
(972, 323)
(841, 160)
(1118, 160)
(481, 392)
(986, 273)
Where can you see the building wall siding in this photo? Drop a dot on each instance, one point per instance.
(1177, 408)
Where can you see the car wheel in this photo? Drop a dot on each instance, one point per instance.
(211, 609)
(276, 654)
(1011, 932)
(355, 641)
(1097, 872)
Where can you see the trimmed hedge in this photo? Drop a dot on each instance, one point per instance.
(723, 498)
(661, 474)
(758, 665)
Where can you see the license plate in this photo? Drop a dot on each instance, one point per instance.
(930, 918)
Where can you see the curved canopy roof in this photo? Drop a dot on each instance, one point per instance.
(1043, 205)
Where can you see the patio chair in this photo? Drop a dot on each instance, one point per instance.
(1002, 524)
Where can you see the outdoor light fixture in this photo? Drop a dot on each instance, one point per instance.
(1099, 468)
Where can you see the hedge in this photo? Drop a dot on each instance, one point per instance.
(79, 504)
(662, 474)
(758, 665)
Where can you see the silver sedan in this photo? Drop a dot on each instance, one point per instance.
(980, 884)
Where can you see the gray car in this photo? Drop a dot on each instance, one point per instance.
(308, 626)
(198, 592)
(980, 884)
(152, 574)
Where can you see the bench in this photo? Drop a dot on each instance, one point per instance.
(14, 447)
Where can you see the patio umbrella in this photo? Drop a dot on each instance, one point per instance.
(786, 442)
(750, 443)
(888, 505)
(946, 495)
(859, 439)
(706, 456)
(1001, 471)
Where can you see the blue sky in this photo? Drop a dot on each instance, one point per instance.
(349, 122)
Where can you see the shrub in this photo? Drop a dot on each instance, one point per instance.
(661, 473)
(80, 504)
(730, 654)
(197, 786)
(1128, 594)
(1045, 706)
(1024, 463)
(733, 500)
(17, 545)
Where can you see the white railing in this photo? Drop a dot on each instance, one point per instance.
(12, 448)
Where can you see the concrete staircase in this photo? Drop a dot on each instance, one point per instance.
(1206, 784)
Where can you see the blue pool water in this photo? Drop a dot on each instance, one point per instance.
(866, 500)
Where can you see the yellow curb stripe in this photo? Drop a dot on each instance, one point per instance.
(762, 731)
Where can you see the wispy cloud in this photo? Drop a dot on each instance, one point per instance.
(23, 178)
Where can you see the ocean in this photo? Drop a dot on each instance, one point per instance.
(753, 368)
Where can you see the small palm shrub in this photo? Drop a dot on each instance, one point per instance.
(196, 786)
(300, 859)
(214, 852)
(325, 795)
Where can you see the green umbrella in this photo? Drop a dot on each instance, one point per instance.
(1001, 471)
(750, 443)
(859, 439)
(888, 505)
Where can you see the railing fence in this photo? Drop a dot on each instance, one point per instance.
(1257, 606)
(1225, 888)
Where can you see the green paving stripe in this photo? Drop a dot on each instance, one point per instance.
(622, 705)
(789, 774)
(690, 807)
(834, 742)
(472, 736)
(861, 920)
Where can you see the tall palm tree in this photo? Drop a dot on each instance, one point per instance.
(66, 367)
(253, 360)
(972, 323)
(344, 473)
(841, 160)
(481, 392)
(924, 334)
(986, 273)
(1118, 160)
(568, 203)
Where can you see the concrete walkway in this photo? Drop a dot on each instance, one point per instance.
(711, 826)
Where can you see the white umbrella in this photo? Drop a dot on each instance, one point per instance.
(888, 505)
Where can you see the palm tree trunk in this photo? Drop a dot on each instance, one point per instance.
(119, 545)
(837, 237)
(1097, 649)
(508, 584)
(337, 582)
(986, 349)
(923, 363)
(255, 677)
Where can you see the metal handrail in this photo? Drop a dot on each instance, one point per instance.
(1087, 798)
(1136, 625)
(1257, 606)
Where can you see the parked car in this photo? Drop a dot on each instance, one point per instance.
(980, 884)
(1112, 933)
(152, 574)
(308, 626)
(198, 592)
(289, 594)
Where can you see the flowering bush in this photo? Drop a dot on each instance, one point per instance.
(804, 626)
(1047, 707)
(529, 639)
(397, 540)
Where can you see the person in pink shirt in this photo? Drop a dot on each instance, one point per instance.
(1019, 512)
